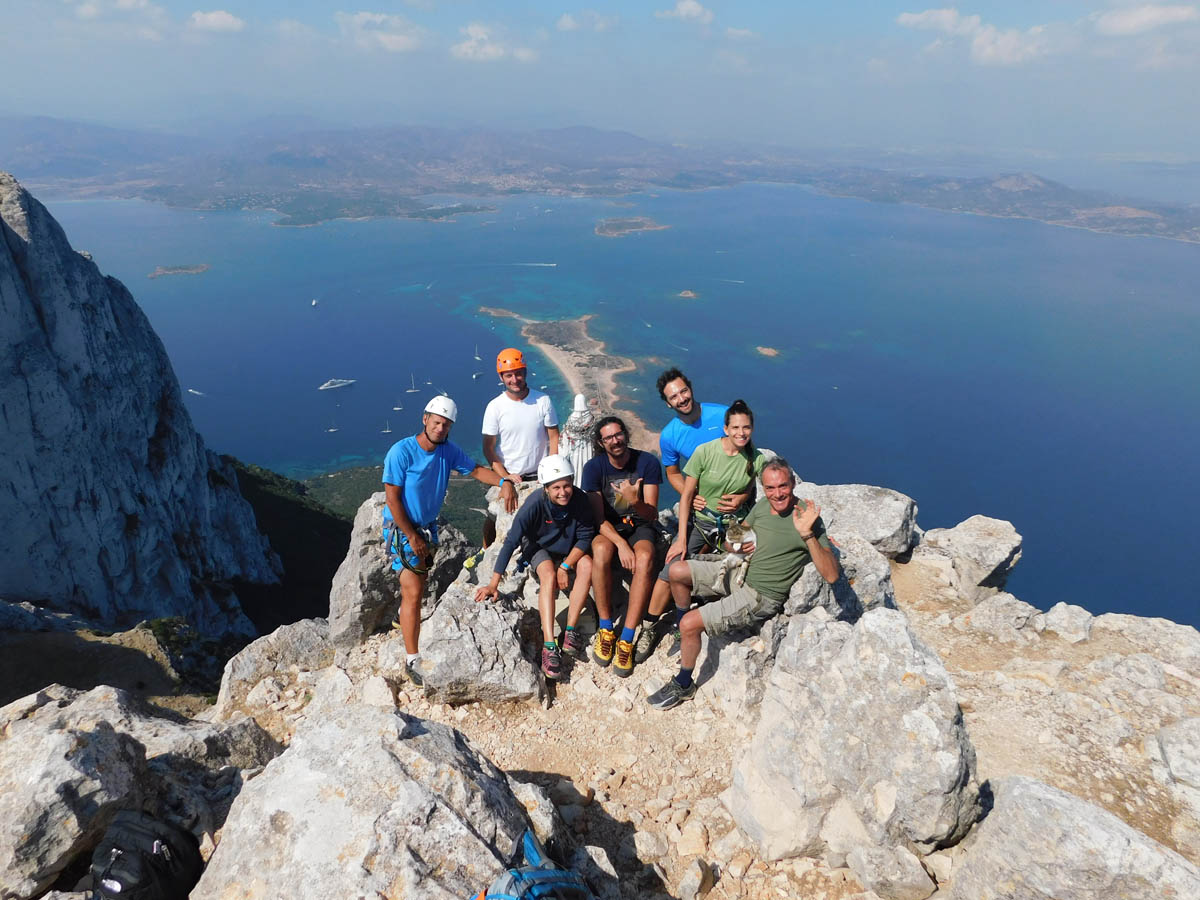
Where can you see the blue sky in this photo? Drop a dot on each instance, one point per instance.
(1056, 77)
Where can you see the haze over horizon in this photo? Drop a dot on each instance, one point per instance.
(1099, 79)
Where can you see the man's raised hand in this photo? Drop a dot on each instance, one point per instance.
(804, 521)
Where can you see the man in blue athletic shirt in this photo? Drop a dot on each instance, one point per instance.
(416, 472)
(695, 423)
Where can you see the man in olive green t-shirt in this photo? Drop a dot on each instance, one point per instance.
(789, 534)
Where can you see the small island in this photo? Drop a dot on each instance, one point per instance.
(767, 351)
(688, 295)
(179, 270)
(622, 227)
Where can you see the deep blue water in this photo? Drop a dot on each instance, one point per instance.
(1043, 375)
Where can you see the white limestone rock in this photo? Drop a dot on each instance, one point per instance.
(1039, 843)
(1002, 617)
(982, 552)
(1180, 746)
(865, 583)
(113, 507)
(885, 518)
(891, 872)
(472, 651)
(304, 644)
(1071, 623)
(60, 784)
(865, 714)
(364, 803)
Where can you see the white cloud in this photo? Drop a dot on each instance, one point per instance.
(1137, 19)
(217, 20)
(947, 21)
(124, 18)
(482, 44)
(380, 31)
(989, 45)
(687, 10)
(740, 34)
(588, 19)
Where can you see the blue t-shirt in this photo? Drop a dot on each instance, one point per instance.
(422, 476)
(680, 440)
(601, 475)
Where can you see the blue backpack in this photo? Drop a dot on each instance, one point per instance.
(538, 878)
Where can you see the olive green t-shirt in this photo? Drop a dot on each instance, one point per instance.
(779, 554)
(718, 474)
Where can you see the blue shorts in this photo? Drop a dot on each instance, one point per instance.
(401, 553)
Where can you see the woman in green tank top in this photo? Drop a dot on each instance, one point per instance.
(727, 465)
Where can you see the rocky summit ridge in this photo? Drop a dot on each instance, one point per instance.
(912, 730)
(114, 509)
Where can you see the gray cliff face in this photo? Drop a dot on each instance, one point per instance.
(113, 507)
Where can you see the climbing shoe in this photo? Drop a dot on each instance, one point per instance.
(574, 646)
(473, 560)
(551, 663)
(414, 674)
(647, 640)
(602, 647)
(623, 659)
(671, 695)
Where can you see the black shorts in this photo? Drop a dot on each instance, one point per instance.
(638, 533)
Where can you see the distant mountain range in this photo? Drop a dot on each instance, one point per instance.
(314, 174)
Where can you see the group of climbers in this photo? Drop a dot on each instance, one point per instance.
(583, 525)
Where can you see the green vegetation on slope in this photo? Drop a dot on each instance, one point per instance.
(344, 492)
(308, 524)
(311, 541)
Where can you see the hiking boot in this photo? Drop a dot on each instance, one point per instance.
(602, 647)
(551, 663)
(574, 645)
(623, 659)
(647, 640)
(671, 695)
(414, 674)
(674, 641)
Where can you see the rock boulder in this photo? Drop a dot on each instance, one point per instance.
(364, 803)
(1039, 843)
(860, 742)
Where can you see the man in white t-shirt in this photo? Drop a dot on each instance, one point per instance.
(520, 428)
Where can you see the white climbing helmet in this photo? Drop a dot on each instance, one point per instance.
(442, 406)
(554, 467)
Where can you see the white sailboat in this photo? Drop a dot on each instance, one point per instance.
(414, 388)
(477, 356)
(399, 406)
(387, 428)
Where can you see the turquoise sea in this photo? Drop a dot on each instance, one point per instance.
(1043, 375)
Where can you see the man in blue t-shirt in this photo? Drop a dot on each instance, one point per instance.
(695, 423)
(416, 472)
(622, 485)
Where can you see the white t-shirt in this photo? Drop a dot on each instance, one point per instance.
(520, 428)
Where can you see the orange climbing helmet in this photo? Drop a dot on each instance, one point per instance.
(509, 359)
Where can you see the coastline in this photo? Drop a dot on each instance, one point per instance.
(586, 365)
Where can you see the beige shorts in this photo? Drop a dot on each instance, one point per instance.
(734, 606)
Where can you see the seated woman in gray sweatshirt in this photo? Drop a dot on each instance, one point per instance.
(554, 529)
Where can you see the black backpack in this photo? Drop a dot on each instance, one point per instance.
(142, 858)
